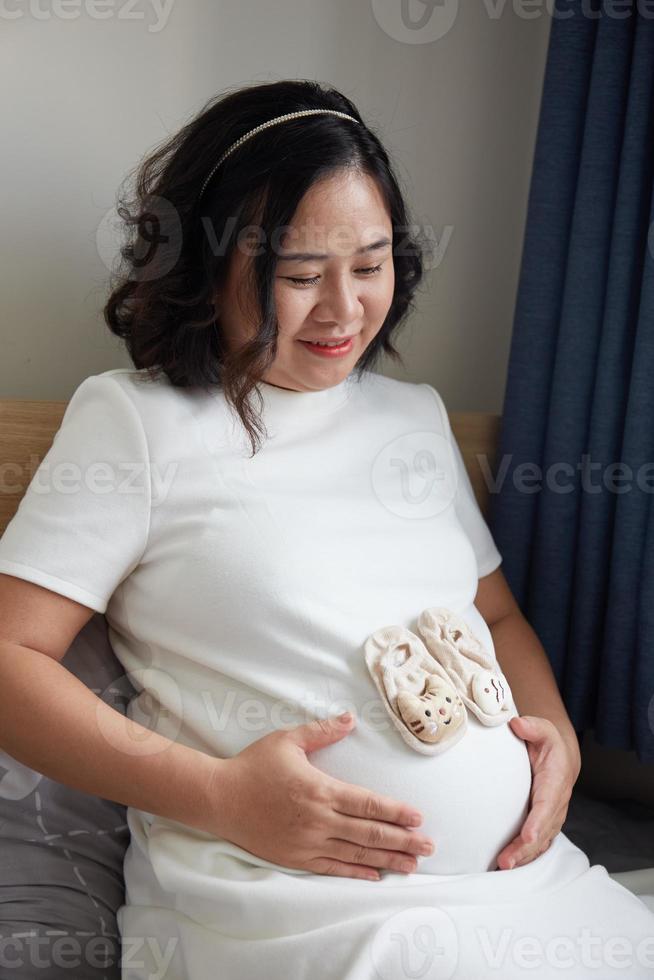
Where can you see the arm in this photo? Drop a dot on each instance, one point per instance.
(523, 660)
(51, 722)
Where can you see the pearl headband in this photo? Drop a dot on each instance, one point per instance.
(271, 122)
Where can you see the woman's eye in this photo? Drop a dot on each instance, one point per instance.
(314, 280)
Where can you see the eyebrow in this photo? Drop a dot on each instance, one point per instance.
(314, 256)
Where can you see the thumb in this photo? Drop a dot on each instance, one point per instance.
(524, 722)
(322, 731)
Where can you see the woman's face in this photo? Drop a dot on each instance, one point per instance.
(336, 295)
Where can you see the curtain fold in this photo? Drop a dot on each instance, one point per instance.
(575, 525)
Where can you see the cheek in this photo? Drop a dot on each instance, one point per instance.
(292, 309)
(379, 300)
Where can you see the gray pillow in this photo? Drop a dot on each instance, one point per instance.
(62, 851)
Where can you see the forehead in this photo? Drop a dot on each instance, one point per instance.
(339, 213)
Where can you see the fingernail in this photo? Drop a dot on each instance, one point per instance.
(415, 820)
(511, 864)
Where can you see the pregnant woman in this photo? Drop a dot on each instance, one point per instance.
(265, 502)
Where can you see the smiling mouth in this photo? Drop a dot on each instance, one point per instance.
(329, 350)
(334, 342)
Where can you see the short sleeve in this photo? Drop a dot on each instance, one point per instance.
(82, 524)
(465, 504)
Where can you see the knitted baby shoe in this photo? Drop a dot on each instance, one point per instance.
(416, 691)
(472, 670)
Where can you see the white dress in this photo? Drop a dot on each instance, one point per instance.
(239, 592)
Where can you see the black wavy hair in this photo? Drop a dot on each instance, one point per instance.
(179, 243)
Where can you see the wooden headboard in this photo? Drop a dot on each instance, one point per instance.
(27, 429)
(477, 434)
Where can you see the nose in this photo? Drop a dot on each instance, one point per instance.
(340, 302)
(442, 711)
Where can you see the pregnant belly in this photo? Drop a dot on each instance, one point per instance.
(474, 797)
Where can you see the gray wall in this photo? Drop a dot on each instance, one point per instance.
(85, 98)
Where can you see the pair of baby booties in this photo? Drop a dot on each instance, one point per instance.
(427, 686)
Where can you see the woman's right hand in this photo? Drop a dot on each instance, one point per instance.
(270, 800)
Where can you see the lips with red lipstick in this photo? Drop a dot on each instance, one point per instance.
(328, 347)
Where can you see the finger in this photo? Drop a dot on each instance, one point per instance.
(533, 853)
(525, 855)
(559, 819)
(353, 801)
(516, 860)
(539, 726)
(547, 809)
(540, 816)
(369, 856)
(516, 852)
(527, 727)
(508, 854)
(382, 836)
(331, 866)
(526, 843)
(545, 803)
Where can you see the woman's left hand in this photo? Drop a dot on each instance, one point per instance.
(554, 773)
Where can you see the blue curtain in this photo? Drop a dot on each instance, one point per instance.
(575, 525)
